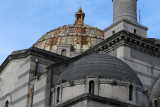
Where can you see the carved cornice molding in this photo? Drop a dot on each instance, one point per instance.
(124, 38)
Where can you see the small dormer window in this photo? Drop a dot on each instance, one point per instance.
(91, 87)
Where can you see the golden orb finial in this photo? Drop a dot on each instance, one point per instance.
(80, 9)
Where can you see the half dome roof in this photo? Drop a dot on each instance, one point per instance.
(155, 93)
(101, 65)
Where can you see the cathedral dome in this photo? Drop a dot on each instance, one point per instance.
(155, 93)
(100, 65)
(80, 36)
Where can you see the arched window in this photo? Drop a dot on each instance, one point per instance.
(91, 87)
(135, 31)
(155, 103)
(58, 94)
(131, 92)
(7, 103)
(63, 52)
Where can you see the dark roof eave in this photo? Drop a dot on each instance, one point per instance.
(32, 51)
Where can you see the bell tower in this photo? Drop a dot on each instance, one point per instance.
(125, 18)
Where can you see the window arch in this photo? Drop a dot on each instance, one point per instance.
(131, 92)
(7, 103)
(58, 94)
(135, 31)
(63, 52)
(91, 87)
(155, 103)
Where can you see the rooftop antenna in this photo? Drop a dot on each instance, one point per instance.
(139, 16)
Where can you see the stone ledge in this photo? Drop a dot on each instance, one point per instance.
(125, 20)
(95, 98)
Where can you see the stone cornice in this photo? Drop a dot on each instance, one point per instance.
(33, 51)
(124, 38)
(97, 99)
(127, 21)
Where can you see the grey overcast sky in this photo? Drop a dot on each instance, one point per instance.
(23, 22)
